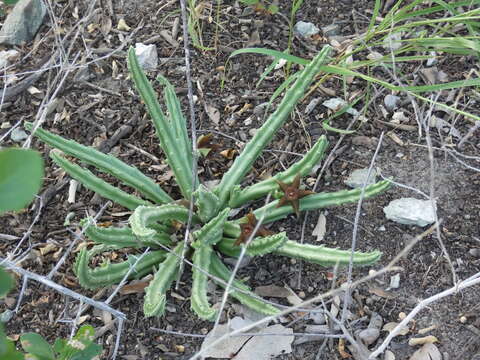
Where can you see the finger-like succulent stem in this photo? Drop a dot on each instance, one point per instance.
(207, 203)
(221, 271)
(325, 256)
(262, 137)
(302, 168)
(321, 200)
(144, 216)
(94, 183)
(113, 273)
(199, 300)
(211, 233)
(122, 236)
(168, 134)
(106, 163)
(176, 117)
(156, 291)
(257, 247)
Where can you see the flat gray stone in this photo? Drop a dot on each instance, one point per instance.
(410, 211)
(305, 29)
(358, 177)
(23, 22)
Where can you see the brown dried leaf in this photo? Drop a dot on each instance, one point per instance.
(341, 349)
(228, 154)
(134, 288)
(213, 113)
(382, 293)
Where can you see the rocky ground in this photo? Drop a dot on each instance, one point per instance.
(91, 100)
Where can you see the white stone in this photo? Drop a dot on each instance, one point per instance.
(147, 56)
(305, 29)
(410, 211)
(357, 178)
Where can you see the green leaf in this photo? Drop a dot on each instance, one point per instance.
(6, 283)
(36, 345)
(81, 347)
(21, 173)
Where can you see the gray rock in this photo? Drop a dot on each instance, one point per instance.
(331, 30)
(391, 102)
(376, 321)
(369, 336)
(358, 177)
(317, 318)
(474, 252)
(395, 281)
(410, 211)
(147, 56)
(7, 57)
(305, 29)
(6, 316)
(18, 135)
(23, 22)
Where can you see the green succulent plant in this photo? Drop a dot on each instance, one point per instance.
(156, 214)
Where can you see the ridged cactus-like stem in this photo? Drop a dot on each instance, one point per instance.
(218, 269)
(262, 188)
(211, 232)
(170, 138)
(94, 183)
(123, 236)
(156, 291)
(325, 256)
(321, 200)
(257, 247)
(144, 216)
(106, 163)
(199, 300)
(263, 136)
(113, 273)
(207, 203)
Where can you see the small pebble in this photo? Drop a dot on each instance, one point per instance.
(463, 319)
(369, 336)
(388, 355)
(395, 281)
(474, 252)
(402, 315)
(391, 102)
(305, 29)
